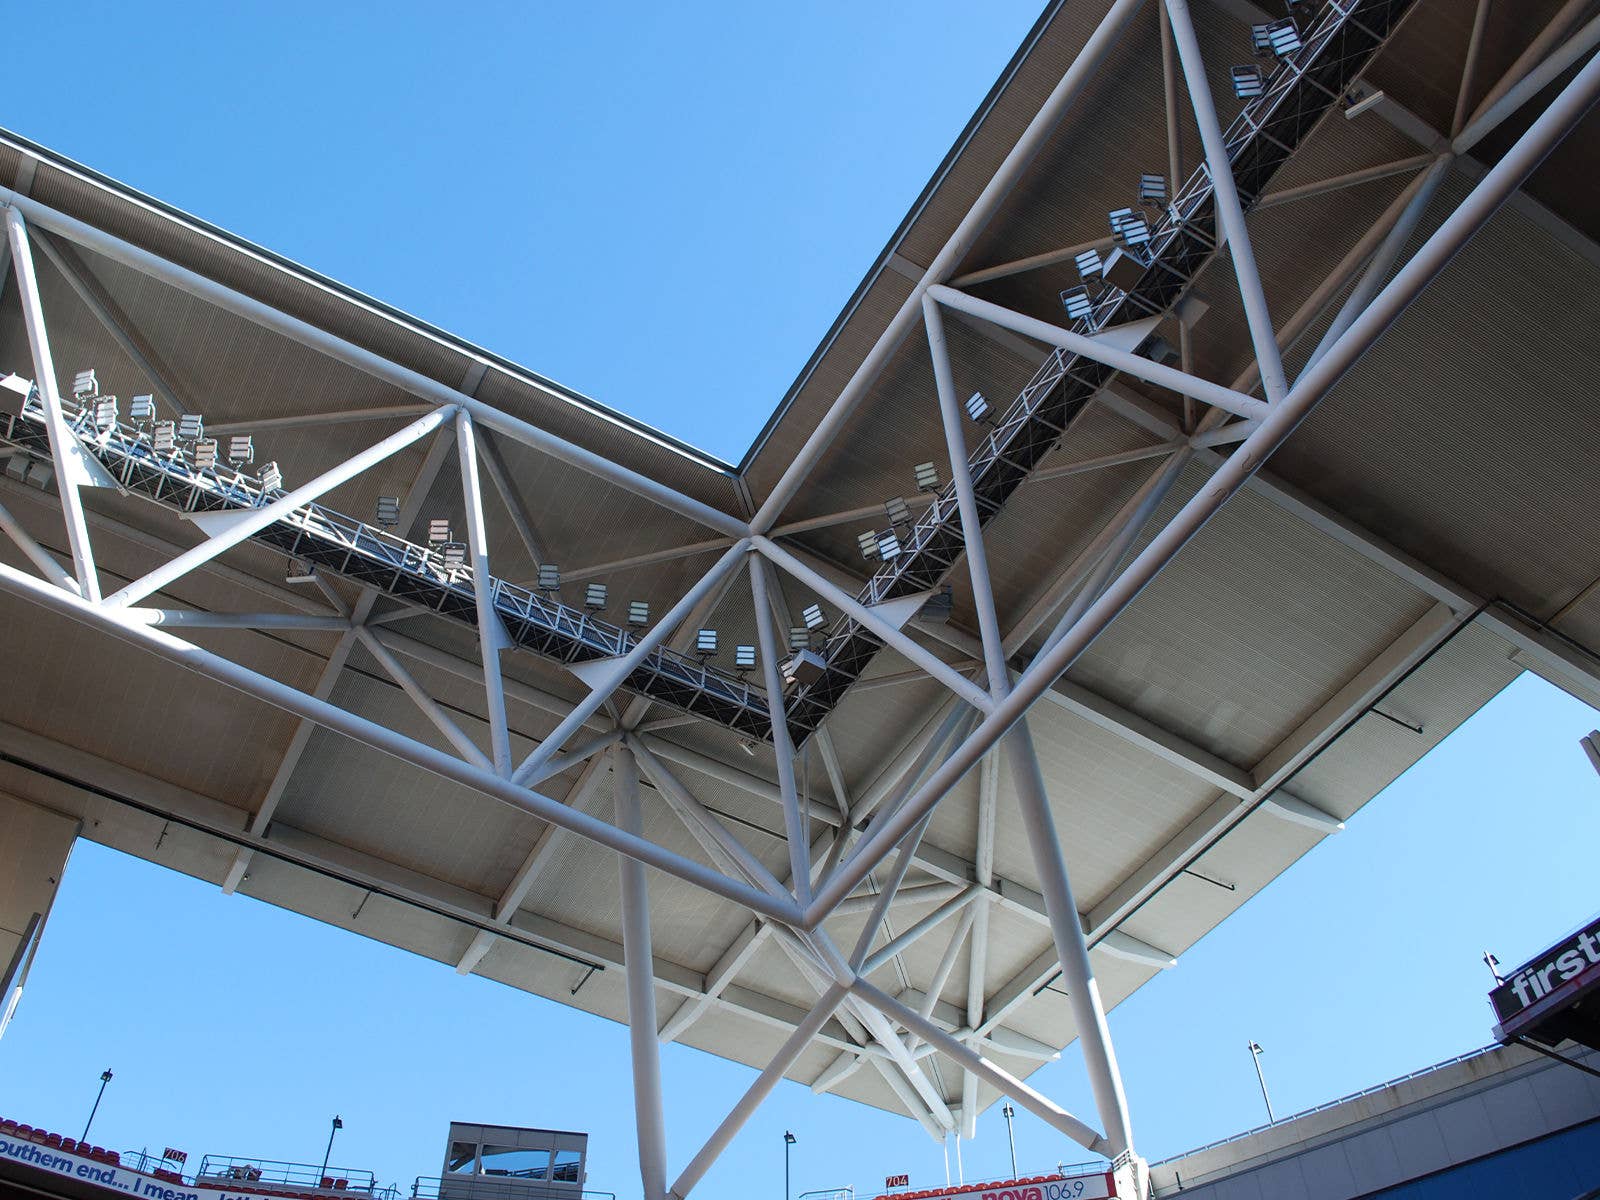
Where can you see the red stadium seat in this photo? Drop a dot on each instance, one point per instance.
(341, 1184)
(52, 1140)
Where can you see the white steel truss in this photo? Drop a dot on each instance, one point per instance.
(869, 840)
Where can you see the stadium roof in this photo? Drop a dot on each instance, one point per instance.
(1417, 541)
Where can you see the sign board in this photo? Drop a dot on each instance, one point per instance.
(1098, 1186)
(177, 1156)
(1548, 983)
(107, 1175)
(896, 1181)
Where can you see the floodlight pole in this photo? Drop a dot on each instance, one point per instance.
(328, 1153)
(1255, 1057)
(1010, 1114)
(65, 452)
(105, 1078)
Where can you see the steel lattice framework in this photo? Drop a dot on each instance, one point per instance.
(883, 830)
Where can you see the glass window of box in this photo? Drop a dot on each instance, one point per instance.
(463, 1157)
(566, 1166)
(515, 1163)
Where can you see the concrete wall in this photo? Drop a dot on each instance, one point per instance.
(34, 845)
(1460, 1113)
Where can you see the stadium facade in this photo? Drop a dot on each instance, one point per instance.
(1001, 669)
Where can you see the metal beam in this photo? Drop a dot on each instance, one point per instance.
(492, 636)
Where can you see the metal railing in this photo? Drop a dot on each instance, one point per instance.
(1052, 1172)
(267, 1172)
(414, 574)
(489, 1187)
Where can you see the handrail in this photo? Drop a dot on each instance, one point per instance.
(306, 1176)
(489, 1187)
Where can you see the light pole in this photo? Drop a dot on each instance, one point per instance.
(328, 1153)
(788, 1140)
(105, 1078)
(1255, 1057)
(1011, 1134)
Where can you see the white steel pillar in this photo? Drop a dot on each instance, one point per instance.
(65, 451)
(1083, 994)
(639, 959)
(1230, 214)
(491, 634)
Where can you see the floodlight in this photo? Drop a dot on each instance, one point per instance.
(888, 545)
(1283, 38)
(1153, 190)
(804, 668)
(388, 510)
(1248, 82)
(241, 448)
(300, 572)
(744, 658)
(978, 408)
(1078, 303)
(705, 642)
(453, 555)
(164, 437)
(439, 531)
(899, 512)
(638, 613)
(1089, 265)
(813, 616)
(1128, 227)
(594, 597)
(868, 542)
(105, 414)
(205, 454)
(799, 637)
(549, 577)
(84, 385)
(927, 477)
(271, 478)
(142, 409)
(191, 427)
(1261, 40)
(938, 607)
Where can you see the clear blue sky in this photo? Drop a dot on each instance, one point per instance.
(665, 207)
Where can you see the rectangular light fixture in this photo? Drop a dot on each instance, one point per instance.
(439, 531)
(1078, 303)
(705, 642)
(927, 477)
(85, 385)
(241, 448)
(638, 613)
(105, 414)
(1089, 265)
(1248, 82)
(1129, 227)
(813, 616)
(388, 510)
(978, 408)
(744, 658)
(799, 637)
(594, 597)
(191, 427)
(1153, 190)
(142, 410)
(888, 545)
(205, 454)
(899, 512)
(549, 577)
(271, 478)
(454, 555)
(868, 541)
(164, 437)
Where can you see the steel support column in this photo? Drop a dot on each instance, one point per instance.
(639, 960)
(491, 635)
(70, 461)
(1083, 993)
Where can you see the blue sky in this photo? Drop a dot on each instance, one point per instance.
(665, 207)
